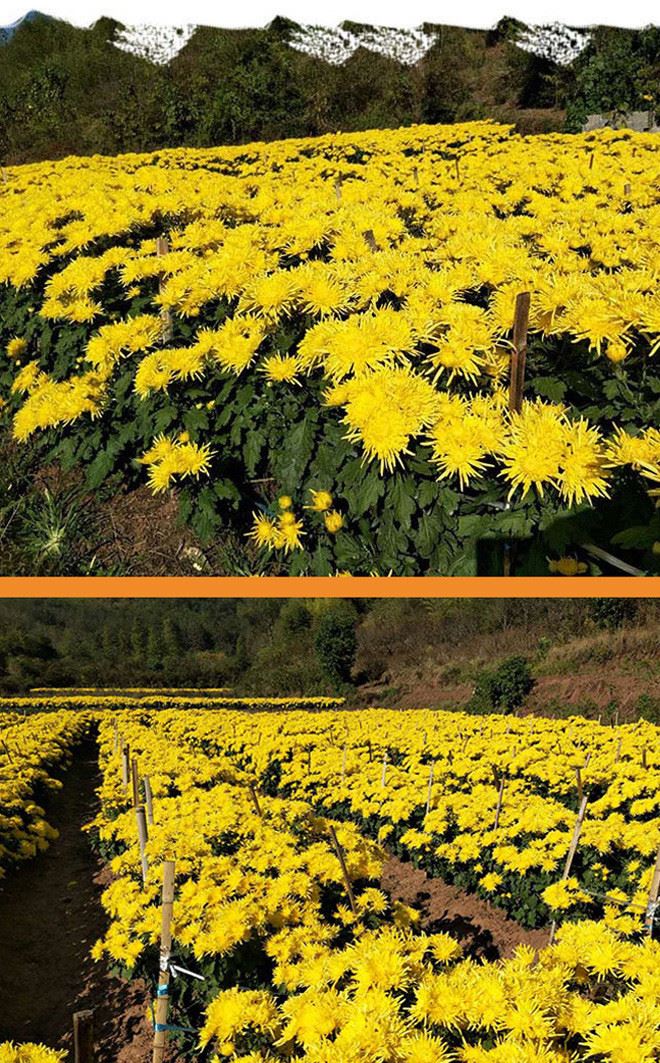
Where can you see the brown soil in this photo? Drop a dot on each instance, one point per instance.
(50, 916)
(484, 931)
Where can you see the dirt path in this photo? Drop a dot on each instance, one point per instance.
(50, 916)
(481, 928)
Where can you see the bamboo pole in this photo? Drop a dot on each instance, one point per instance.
(617, 757)
(383, 774)
(344, 870)
(498, 810)
(255, 799)
(125, 754)
(162, 998)
(580, 788)
(149, 801)
(83, 1036)
(519, 355)
(135, 782)
(654, 893)
(143, 838)
(577, 831)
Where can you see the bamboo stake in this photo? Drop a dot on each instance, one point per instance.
(617, 757)
(344, 870)
(143, 838)
(149, 801)
(83, 1036)
(644, 758)
(519, 355)
(257, 806)
(498, 810)
(383, 774)
(430, 788)
(135, 783)
(577, 831)
(654, 893)
(163, 248)
(580, 789)
(125, 753)
(162, 998)
(343, 763)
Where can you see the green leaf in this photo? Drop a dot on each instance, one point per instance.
(100, 468)
(549, 387)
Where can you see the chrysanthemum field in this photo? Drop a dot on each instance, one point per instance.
(279, 823)
(329, 322)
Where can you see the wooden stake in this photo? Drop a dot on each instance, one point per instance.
(430, 788)
(125, 754)
(143, 838)
(167, 332)
(627, 190)
(498, 810)
(617, 757)
(580, 788)
(383, 774)
(149, 801)
(344, 870)
(135, 782)
(519, 355)
(83, 1037)
(257, 806)
(162, 998)
(343, 763)
(577, 830)
(654, 893)
(644, 758)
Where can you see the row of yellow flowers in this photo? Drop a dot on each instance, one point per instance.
(397, 256)
(30, 749)
(330, 982)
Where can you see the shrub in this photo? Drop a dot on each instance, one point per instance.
(504, 688)
(336, 644)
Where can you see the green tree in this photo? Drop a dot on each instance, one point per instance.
(336, 643)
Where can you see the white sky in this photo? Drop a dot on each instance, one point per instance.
(477, 13)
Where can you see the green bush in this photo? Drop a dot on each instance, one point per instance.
(504, 688)
(336, 643)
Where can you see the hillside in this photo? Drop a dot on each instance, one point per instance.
(112, 88)
(584, 656)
